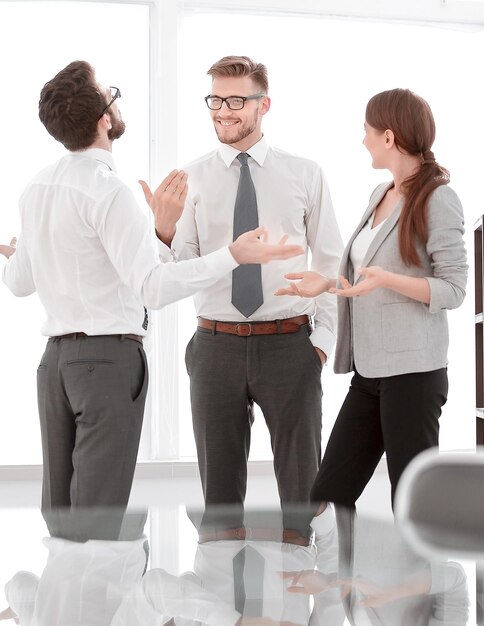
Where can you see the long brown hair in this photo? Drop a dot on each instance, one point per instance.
(410, 119)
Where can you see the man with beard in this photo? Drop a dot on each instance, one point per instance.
(88, 251)
(251, 346)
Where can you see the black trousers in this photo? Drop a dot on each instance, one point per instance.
(398, 415)
(91, 397)
(228, 374)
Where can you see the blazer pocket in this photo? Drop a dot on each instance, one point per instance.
(404, 327)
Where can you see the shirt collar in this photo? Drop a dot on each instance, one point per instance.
(99, 154)
(258, 152)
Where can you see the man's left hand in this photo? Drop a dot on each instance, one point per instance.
(167, 203)
(309, 285)
(321, 355)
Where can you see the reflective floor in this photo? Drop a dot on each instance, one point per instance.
(165, 562)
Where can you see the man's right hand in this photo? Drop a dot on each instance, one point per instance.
(8, 613)
(167, 203)
(252, 247)
(7, 251)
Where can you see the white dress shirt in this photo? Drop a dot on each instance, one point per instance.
(88, 250)
(83, 584)
(206, 595)
(292, 198)
(161, 596)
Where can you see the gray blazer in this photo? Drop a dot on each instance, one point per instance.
(385, 333)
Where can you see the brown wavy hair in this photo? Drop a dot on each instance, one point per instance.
(235, 66)
(410, 119)
(70, 105)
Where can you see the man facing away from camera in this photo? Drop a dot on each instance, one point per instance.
(88, 251)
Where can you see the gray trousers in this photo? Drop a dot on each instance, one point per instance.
(280, 373)
(91, 397)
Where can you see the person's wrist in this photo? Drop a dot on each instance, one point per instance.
(387, 279)
(234, 251)
(166, 234)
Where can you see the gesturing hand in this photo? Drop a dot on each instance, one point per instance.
(309, 285)
(376, 594)
(262, 621)
(374, 278)
(7, 251)
(308, 582)
(253, 247)
(167, 203)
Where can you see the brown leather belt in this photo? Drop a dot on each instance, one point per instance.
(137, 338)
(254, 534)
(245, 329)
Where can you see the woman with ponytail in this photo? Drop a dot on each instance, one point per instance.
(403, 267)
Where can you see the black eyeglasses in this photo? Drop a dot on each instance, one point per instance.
(115, 93)
(234, 103)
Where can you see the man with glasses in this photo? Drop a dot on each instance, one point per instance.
(87, 250)
(251, 346)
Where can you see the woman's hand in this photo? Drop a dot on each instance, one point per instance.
(309, 285)
(415, 287)
(375, 594)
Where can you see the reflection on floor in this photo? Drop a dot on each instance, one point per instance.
(87, 569)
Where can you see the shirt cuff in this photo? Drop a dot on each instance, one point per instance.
(221, 260)
(223, 615)
(323, 339)
(165, 253)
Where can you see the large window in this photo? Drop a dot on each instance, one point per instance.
(322, 71)
(37, 39)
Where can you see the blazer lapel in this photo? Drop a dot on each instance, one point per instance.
(382, 234)
(346, 267)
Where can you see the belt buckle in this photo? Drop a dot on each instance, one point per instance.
(241, 533)
(243, 333)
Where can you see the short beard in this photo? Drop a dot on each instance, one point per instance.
(244, 132)
(117, 128)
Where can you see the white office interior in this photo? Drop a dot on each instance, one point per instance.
(325, 59)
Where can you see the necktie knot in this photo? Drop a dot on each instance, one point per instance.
(243, 158)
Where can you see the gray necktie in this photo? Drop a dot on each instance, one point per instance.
(248, 566)
(246, 279)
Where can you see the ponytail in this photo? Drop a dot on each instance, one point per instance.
(417, 190)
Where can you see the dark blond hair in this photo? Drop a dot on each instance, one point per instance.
(235, 66)
(410, 119)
